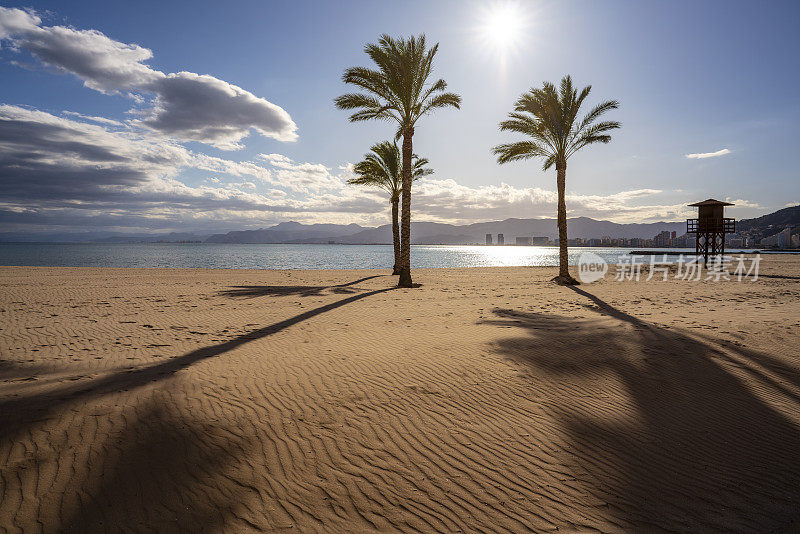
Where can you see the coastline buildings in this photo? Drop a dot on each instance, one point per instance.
(539, 241)
(787, 238)
(781, 240)
(488, 239)
(683, 241)
(663, 239)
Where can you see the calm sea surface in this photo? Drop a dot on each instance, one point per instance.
(235, 256)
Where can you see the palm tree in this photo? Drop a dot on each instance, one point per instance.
(381, 168)
(398, 90)
(548, 116)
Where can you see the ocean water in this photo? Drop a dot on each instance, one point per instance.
(238, 256)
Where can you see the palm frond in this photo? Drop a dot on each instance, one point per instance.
(357, 100)
(519, 151)
(419, 169)
(548, 116)
(441, 101)
(368, 107)
(528, 125)
(594, 134)
(549, 162)
(595, 114)
(397, 88)
(601, 127)
(382, 167)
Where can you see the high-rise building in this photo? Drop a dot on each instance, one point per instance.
(500, 239)
(734, 241)
(771, 241)
(683, 241)
(785, 238)
(663, 239)
(488, 239)
(540, 241)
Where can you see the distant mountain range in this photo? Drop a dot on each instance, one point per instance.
(290, 232)
(423, 233)
(429, 233)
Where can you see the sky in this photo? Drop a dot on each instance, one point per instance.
(138, 117)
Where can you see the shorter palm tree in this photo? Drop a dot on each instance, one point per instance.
(382, 167)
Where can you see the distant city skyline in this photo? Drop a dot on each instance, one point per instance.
(154, 117)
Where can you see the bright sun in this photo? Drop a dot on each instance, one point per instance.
(502, 26)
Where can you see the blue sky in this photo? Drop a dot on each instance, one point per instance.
(691, 77)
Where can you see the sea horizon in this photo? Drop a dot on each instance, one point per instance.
(296, 256)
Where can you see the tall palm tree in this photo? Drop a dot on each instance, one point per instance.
(548, 116)
(381, 167)
(398, 90)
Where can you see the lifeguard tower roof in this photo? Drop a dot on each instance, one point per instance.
(711, 202)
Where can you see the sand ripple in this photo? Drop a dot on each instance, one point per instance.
(486, 401)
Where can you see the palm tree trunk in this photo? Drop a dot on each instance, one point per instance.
(405, 214)
(563, 267)
(396, 236)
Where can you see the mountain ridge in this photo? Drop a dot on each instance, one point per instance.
(423, 233)
(430, 233)
(771, 223)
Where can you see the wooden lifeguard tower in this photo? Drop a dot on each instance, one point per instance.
(710, 228)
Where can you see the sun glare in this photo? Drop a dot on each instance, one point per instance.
(502, 27)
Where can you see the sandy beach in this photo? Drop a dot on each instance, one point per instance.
(488, 399)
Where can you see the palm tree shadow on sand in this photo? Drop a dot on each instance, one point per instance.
(159, 462)
(166, 471)
(673, 432)
(303, 291)
(12, 408)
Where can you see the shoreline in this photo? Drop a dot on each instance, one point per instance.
(729, 252)
(241, 269)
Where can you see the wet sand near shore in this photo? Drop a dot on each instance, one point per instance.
(487, 399)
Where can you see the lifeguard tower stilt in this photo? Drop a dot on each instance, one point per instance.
(710, 228)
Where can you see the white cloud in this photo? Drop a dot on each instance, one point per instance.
(447, 201)
(304, 177)
(64, 171)
(203, 108)
(103, 64)
(705, 155)
(186, 106)
(101, 120)
(61, 170)
(742, 203)
(233, 168)
(14, 21)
